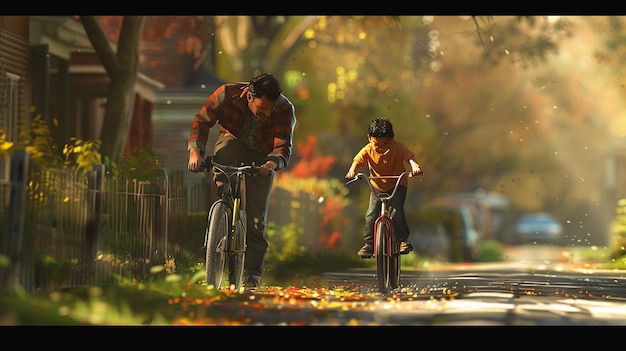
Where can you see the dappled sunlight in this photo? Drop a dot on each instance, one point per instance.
(274, 305)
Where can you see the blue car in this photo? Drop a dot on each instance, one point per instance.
(540, 227)
(445, 233)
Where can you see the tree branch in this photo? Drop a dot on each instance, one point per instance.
(100, 42)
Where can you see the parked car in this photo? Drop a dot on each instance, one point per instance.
(452, 233)
(430, 240)
(491, 211)
(540, 227)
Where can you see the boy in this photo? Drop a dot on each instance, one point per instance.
(384, 156)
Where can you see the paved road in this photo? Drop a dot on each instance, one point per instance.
(501, 294)
(536, 287)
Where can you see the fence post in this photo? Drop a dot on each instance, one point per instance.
(92, 229)
(161, 217)
(15, 277)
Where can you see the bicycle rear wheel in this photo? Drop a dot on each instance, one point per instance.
(383, 249)
(237, 255)
(218, 227)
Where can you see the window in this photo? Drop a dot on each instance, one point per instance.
(11, 111)
(11, 107)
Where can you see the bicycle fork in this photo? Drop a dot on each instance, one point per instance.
(238, 226)
(392, 244)
(388, 240)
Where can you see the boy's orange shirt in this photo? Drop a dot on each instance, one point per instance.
(391, 163)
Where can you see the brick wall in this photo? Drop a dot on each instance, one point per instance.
(14, 60)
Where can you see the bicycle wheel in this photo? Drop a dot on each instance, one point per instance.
(237, 255)
(381, 234)
(217, 246)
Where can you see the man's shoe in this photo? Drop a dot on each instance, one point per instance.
(366, 251)
(405, 247)
(252, 283)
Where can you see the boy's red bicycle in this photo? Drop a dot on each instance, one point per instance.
(386, 245)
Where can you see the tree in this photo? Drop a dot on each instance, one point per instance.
(121, 65)
(256, 44)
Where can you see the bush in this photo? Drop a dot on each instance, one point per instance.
(491, 251)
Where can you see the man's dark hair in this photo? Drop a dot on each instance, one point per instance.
(380, 127)
(265, 85)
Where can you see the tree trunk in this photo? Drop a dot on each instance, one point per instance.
(121, 66)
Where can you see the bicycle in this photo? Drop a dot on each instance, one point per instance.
(225, 236)
(386, 245)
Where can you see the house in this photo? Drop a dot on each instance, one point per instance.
(172, 116)
(174, 80)
(49, 65)
(178, 51)
(77, 83)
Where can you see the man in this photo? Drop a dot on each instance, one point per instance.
(256, 123)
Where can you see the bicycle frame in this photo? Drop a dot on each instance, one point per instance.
(235, 198)
(386, 214)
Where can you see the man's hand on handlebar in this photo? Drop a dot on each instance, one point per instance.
(195, 160)
(267, 168)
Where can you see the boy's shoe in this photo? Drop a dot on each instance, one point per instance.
(405, 247)
(366, 251)
(252, 283)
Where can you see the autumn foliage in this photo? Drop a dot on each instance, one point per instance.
(310, 165)
(309, 174)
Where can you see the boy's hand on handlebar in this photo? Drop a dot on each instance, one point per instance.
(415, 171)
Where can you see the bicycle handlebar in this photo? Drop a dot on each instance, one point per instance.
(363, 175)
(248, 169)
(381, 196)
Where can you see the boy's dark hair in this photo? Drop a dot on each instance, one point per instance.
(380, 127)
(265, 85)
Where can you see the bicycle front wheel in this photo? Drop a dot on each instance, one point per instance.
(217, 231)
(383, 250)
